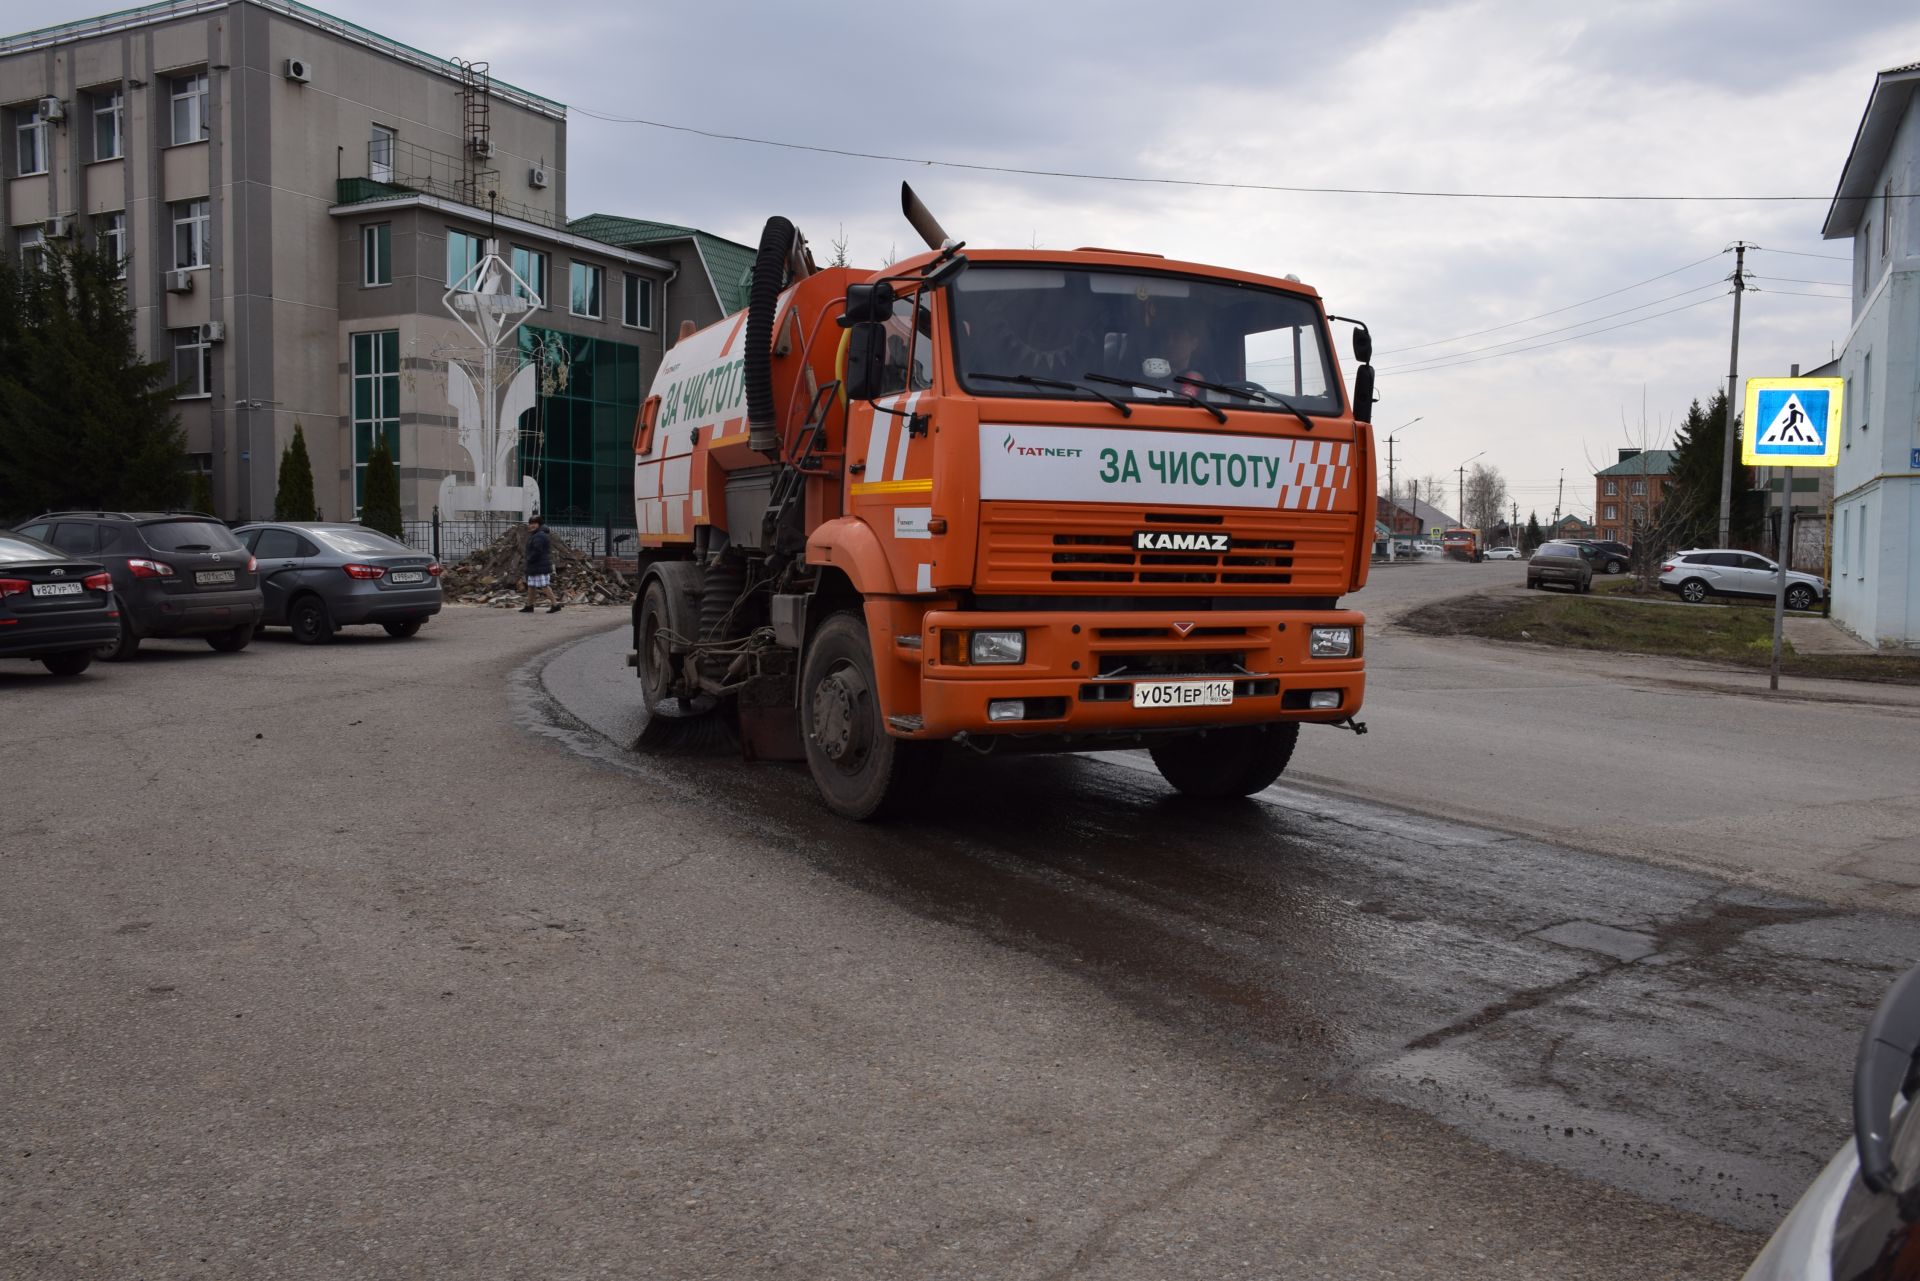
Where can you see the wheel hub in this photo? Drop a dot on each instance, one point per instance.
(836, 717)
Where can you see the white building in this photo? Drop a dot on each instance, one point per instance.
(1876, 504)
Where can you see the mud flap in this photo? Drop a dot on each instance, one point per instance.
(769, 721)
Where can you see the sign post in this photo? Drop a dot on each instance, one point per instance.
(1790, 422)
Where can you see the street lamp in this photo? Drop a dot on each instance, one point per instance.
(1463, 485)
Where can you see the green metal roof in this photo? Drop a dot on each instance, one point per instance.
(729, 264)
(1648, 462)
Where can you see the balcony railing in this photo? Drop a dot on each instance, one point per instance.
(398, 168)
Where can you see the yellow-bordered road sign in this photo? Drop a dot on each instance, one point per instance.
(1792, 422)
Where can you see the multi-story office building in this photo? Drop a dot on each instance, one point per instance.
(292, 197)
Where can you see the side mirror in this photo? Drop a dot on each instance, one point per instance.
(1362, 392)
(866, 359)
(1362, 345)
(867, 303)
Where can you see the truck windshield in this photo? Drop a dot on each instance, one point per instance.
(1261, 349)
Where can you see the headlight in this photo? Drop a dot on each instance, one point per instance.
(1330, 642)
(997, 647)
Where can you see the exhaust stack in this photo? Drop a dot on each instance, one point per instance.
(923, 222)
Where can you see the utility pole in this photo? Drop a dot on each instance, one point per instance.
(1558, 495)
(1463, 493)
(1733, 385)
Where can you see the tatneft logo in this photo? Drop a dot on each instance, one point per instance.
(1013, 446)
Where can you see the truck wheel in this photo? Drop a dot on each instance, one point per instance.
(861, 770)
(1237, 761)
(654, 661)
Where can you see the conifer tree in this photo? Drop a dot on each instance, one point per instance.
(1534, 536)
(294, 498)
(380, 508)
(200, 493)
(1691, 508)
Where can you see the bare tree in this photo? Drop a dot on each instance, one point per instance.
(1486, 499)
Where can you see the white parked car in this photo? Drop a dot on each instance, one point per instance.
(1502, 553)
(1428, 549)
(1700, 573)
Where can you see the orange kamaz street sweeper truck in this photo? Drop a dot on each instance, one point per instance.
(1021, 500)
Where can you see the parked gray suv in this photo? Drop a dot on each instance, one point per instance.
(321, 576)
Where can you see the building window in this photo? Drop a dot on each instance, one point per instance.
(576, 437)
(376, 254)
(1613, 512)
(32, 243)
(189, 108)
(108, 117)
(530, 265)
(376, 401)
(192, 363)
(113, 239)
(192, 234)
(1613, 489)
(1638, 489)
(1866, 389)
(636, 302)
(463, 251)
(1886, 220)
(583, 298)
(30, 142)
(380, 154)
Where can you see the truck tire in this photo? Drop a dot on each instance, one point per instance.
(1237, 761)
(861, 770)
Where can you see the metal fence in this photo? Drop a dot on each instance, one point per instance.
(452, 541)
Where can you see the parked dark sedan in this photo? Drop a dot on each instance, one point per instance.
(174, 574)
(319, 577)
(1609, 556)
(53, 609)
(1567, 564)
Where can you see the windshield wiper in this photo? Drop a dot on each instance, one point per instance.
(1175, 392)
(1247, 393)
(1031, 381)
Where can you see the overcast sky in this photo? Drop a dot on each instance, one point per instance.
(1671, 97)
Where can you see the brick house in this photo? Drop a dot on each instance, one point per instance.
(1627, 495)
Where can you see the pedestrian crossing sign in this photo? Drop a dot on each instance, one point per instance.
(1792, 422)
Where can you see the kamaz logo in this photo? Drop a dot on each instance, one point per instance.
(1167, 540)
(1013, 446)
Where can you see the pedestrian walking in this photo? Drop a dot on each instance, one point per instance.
(539, 565)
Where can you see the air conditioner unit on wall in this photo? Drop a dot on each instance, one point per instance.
(52, 109)
(296, 70)
(537, 176)
(213, 331)
(58, 227)
(482, 147)
(179, 282)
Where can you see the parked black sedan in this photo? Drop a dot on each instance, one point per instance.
(320, 576)
(53, 609)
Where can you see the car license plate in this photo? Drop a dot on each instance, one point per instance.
(410, 576)
(213, 577)
(56, 589)
(1182, 693)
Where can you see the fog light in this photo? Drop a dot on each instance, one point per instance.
(1007, 709)
(998, 647)
(1324, 700)
(1330, 642)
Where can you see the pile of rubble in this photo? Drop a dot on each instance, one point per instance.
(497, 575)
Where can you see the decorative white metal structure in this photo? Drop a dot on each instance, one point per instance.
(491, 302)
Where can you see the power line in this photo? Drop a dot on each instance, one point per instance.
(1472, 360)
(1800, 254)
(1795, 280)
(1215, 183)
(1795, 293)
(1557, 310)
(1591, 320)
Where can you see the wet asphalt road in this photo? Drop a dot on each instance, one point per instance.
(1682, 1039)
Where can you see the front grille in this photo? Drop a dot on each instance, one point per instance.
(1163, 663)
(1035, 548)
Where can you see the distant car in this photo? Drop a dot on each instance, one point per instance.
(1861, 1216)
(1611, 557)
(174, 574)
(1503, 553)
(1428, 549)
(1700, 573)
(319, 577)
(1564, 563)
(54, 609)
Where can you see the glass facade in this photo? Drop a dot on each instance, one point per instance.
(577, 440)
(376, 400)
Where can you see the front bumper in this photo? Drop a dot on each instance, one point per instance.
(1080, 671)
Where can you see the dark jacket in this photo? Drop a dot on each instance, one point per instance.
(539, 552)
